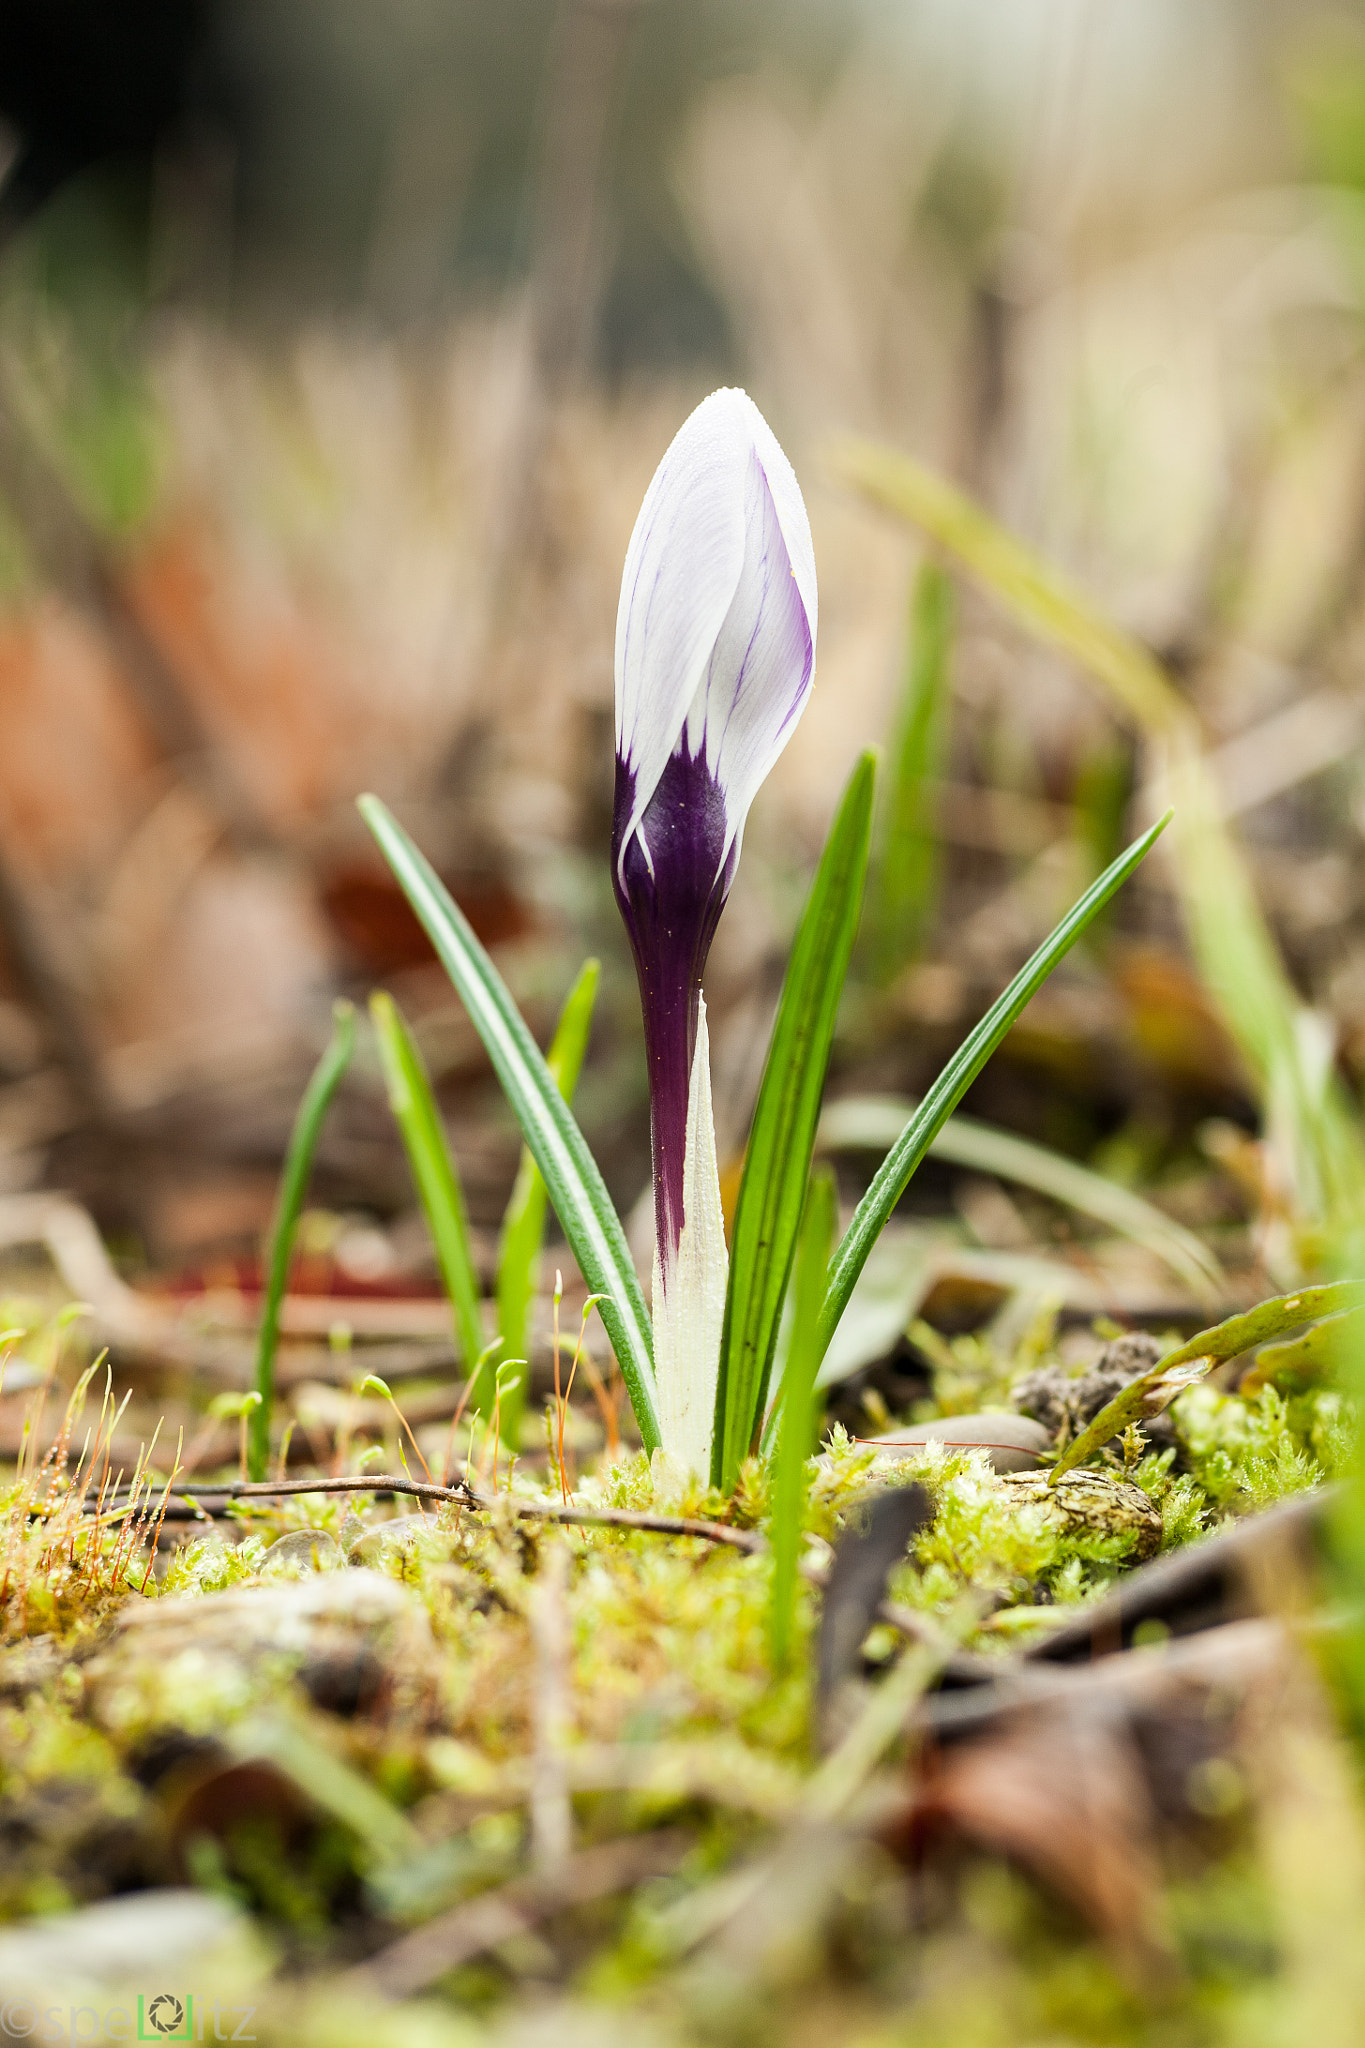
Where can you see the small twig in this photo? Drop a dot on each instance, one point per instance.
(462, 1494)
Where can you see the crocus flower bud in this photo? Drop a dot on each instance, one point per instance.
(715, 651)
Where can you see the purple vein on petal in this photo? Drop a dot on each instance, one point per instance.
(761, 667)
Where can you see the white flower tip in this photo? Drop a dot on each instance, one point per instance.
(696, 535)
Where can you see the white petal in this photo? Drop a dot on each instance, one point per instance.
(759, 675)
(682, 566)
(791, 514)
(689, 1299)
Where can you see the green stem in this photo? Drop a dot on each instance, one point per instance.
(523, 1225)
(437, 1180)
(796, 1423)
(298, 1166)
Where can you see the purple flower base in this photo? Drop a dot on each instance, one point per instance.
(671, 916)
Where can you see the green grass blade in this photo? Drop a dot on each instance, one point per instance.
(894, 1174)
(575, 1185)
(907, 865)
(1326, 1352)
(298, 1165)
(1345, 1549)
(874, 1122)
(1268, 1319)
(1102, 794)
(1236, 951)
(523, 1225)
(1240, 962)
(436, 1177)
(796, 1412)
(1038, 595)
(772, 1190)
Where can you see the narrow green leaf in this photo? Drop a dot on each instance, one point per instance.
(1268, 1319)
(558, 1147)
(435, 1175)
(907, 864)
(330, 1783)
(1038, 594)
(1236, 950)
(1344, 1558)
(1206, 1349)
(1326, 1351)
(298, 1165)
(1102, 794)
(1239, 959)
(772, 1189)
(523, 1225)
(873, 1122)
(895, 1172)
(796, 1410)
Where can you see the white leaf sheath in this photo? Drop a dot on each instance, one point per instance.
(689, 1299)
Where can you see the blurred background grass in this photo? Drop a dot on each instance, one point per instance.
(337, 345)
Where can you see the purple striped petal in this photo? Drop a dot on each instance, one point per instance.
(761, 667)
(682, 567)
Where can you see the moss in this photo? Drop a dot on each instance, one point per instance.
(1250, 1453)
(972, 1372)
(668, 1663)
(1183, 1502)
(207, 1564)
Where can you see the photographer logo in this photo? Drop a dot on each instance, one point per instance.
(165, 2018)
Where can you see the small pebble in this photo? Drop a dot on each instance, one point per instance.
(1091, 1503)
(303, 1550)
(1013, 1441)
(399, 1532)
(169, 1936)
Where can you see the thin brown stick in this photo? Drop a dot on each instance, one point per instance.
(751, 1541)
(467, 1496)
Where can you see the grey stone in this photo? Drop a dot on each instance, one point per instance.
(1051, 1396)
(159, 1935)
(309, 1550)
